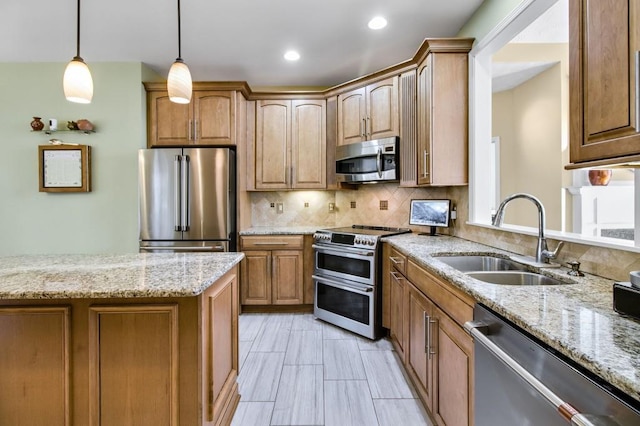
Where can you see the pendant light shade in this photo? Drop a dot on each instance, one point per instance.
(179, 80)
(179, 83)
(77, 82)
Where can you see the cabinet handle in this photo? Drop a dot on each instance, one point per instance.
(189, 129)
(195, 130)
(637, 90)
(396, 261)
(269, 243)
(397, 276)
(427, 334)
(367, 128)
(363, 128)
(431, 350)
(425, 155)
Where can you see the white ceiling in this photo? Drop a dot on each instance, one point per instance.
(550, 27)
(232, 39)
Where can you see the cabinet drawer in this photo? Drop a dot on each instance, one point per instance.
(272, 242)
(457, 304)
(398, 260)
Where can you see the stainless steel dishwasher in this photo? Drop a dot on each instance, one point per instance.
(520, 381)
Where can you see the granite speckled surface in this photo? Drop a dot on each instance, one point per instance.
(282, 230)
(111, 276)
(576, 319)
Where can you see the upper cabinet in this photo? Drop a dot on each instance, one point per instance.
(442, 112)
(369, 112)
(209, 120)
(290, 148)
(604, 40)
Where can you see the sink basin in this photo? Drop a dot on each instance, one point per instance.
(514, 278)
(481, 263)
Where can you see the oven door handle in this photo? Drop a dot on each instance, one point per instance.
(479, 332)
(344, 286)
(343, 250)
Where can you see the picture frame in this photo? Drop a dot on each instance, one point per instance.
(64, 168)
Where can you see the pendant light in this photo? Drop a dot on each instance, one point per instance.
(179, 79)
(77, 81)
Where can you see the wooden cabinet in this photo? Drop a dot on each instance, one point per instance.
(442, 125)
(35, 362)
(426, 328)
(272, 271)
(162, 361)
(398, 301)
(369, 112)
(604, 40)
(209, 120)
(290, 149)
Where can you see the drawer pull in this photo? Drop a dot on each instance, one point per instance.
(396, 261)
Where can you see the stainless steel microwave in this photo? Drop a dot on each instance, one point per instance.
(369, 161)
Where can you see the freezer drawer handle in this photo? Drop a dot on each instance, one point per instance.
(184, 181)
(479, 331)
(186, 248)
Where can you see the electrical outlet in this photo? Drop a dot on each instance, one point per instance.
(384, 205)
(332, 207)
(272, 205)
(306, 204)
(353, 204)
(279, 208)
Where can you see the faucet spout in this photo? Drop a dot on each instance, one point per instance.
(542, 252)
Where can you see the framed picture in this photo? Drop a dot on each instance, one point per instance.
(64, 168)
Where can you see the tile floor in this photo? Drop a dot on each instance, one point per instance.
(296, 370)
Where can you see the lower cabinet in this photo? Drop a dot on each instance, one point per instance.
(426, 328)
(272, 271)
(103, 362)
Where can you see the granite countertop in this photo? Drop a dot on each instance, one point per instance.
(282, 230)
(576, 319)
(108, 276)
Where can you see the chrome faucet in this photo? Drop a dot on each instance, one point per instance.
(542, 251)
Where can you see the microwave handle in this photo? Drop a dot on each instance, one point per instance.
(379, 162)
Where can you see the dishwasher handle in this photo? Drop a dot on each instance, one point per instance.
(479, 331)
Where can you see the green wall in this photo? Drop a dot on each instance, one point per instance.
(101, 221)
(488, 15)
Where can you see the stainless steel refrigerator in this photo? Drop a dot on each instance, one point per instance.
(187, 199)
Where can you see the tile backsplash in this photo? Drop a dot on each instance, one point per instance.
(363, 206)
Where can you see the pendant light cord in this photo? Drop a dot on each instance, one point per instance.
(78, 32)
(179, 32)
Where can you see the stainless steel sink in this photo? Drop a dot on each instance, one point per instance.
(481, 263)
(514, 278)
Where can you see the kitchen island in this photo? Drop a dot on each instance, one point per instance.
(119, 339)
(575, 319)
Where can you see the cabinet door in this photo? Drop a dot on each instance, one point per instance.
(424, 121)
(287, 278)
(273, 141)
(256, 278)
(453, 363)
(168, 123)
(214, 115)
(121, 340)
(35, 365)
(398, 309)
(308, 150)
(604, 43)
(382, 109)
(418, 361)
(220, 345)
(352, 117)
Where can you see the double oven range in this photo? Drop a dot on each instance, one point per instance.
(348, 277)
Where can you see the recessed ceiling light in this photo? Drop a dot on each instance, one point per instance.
(291, 55)
(377, 23)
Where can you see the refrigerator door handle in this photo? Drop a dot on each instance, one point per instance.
(176, 190)
(184, 181)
